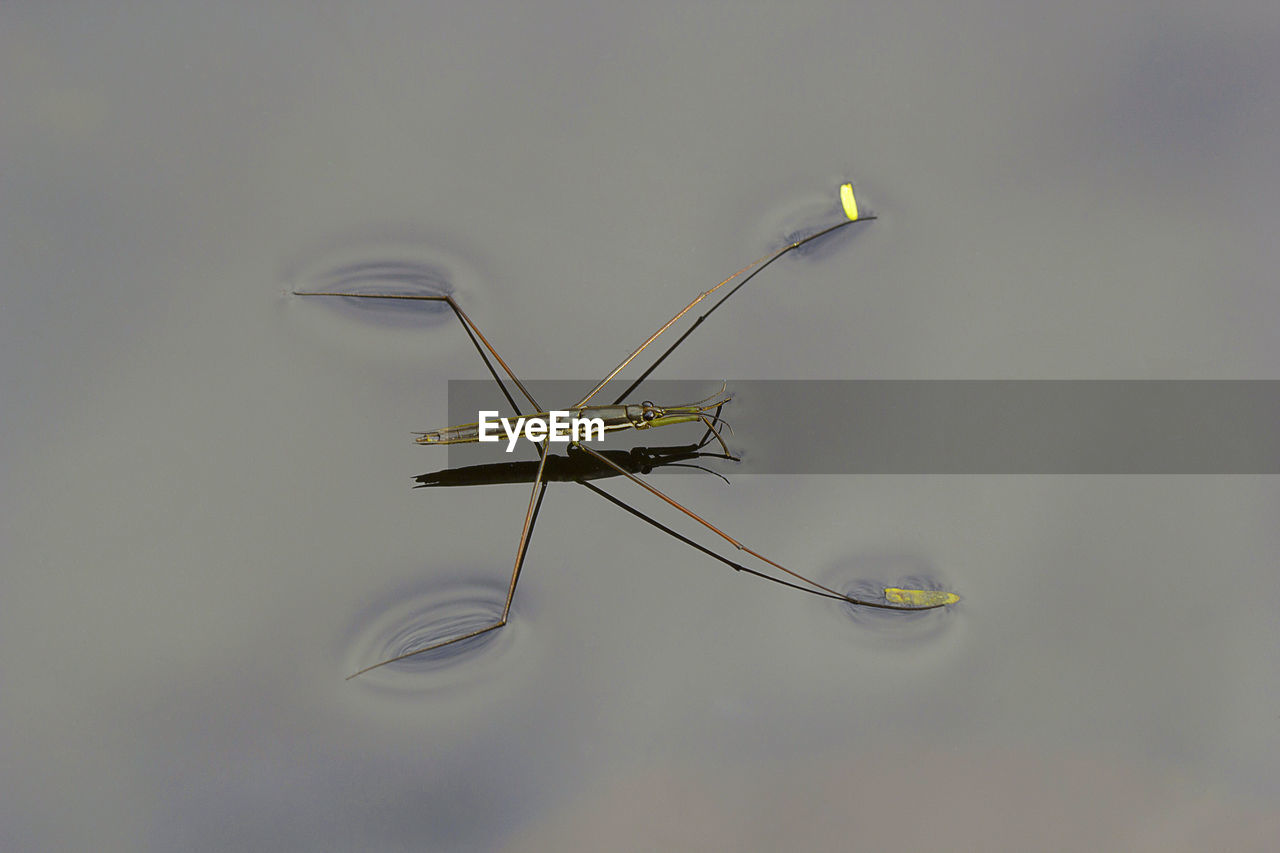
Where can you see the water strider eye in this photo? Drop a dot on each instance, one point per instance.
(649, 412)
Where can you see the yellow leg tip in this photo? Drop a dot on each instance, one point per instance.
(849, 202)
(919, 597)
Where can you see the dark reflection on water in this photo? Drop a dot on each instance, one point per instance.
(822, 247)
(576, 465)
(414, 620)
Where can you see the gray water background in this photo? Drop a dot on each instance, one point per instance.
(207, 518)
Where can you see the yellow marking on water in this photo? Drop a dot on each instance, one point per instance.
(849, 202)
(919, 597)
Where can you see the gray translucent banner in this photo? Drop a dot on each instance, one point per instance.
(942, 426)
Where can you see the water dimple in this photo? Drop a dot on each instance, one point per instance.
(895, 626)
(384, 268)
(421, 620)
(809, 215)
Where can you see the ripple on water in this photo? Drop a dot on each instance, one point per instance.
(381, 267)
(421, 619)
(806, 215)
(895, 625)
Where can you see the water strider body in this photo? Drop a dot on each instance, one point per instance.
(646, 415)
(612, 418)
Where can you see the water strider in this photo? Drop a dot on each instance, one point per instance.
(640, 416)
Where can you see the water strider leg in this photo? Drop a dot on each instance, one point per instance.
(751, 270)
(481, 343)
(526, 534)
(737, 567)
(472, 330)
(712, 431)
(895, 599)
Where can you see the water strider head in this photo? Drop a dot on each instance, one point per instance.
(649, 414)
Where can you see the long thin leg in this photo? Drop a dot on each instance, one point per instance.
(943, 600)
(526, 534)
(737, 567)
(539, 486)
(753, 268)
(473, 332)
(711, 430)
